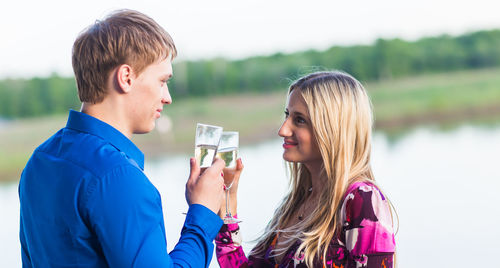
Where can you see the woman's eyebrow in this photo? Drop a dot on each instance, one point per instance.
(297, 113)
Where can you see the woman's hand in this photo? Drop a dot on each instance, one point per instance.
(231, 174)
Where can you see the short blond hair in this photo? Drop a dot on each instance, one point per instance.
(123, 37)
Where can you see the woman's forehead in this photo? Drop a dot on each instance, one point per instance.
(296, 102)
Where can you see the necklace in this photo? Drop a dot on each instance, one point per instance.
(301, 215)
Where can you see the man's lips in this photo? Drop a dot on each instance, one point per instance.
(158, 112)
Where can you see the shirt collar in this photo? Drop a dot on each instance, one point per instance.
(85, 123)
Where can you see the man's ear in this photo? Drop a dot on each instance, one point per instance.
(124, 78)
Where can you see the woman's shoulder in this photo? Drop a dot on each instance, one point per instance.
(367, 220)
(362, 190)
(364, 185)
(364, 199)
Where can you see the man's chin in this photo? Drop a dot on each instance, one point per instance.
(145, 130)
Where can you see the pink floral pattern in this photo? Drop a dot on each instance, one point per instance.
(366, 239)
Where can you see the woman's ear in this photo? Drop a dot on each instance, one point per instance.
(124, 78)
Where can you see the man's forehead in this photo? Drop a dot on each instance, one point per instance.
(166, 67)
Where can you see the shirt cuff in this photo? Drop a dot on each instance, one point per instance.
(205, 218)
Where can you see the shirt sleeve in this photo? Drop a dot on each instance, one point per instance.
(125, 212)
(367, 224)
(25, 257)
(228, 247)
(195, 247)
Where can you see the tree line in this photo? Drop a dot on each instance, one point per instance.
(384, 59)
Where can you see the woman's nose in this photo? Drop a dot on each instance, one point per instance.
(285, 130)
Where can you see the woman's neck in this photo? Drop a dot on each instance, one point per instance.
(316, 171)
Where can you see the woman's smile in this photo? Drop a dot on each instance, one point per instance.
(289, 144)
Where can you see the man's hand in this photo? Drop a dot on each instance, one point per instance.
(206, 189)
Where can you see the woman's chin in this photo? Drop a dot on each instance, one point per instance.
(289, 158)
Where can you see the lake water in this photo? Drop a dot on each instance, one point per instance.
(445, 186)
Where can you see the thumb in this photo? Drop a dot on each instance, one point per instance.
(194, 169)
(239, 165)
(237, 173)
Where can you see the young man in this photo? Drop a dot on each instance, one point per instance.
(85, 201)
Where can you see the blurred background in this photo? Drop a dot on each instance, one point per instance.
(431, 68)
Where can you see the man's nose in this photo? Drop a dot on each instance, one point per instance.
(166, 98)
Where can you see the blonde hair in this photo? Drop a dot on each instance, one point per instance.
(123, 37)
(341, 116)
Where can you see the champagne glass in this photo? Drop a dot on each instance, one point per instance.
(228, 151)
(206, 141)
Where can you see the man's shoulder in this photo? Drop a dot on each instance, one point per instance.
(84, 150)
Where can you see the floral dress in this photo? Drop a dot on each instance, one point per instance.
(366, 238)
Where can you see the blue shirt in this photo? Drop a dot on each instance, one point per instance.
(85, 202)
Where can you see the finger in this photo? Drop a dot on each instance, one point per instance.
(194, 169)
(217, 165)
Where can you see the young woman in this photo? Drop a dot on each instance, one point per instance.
(334, 215)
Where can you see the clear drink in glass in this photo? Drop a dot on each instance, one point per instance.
(228, 151)
(206, 142)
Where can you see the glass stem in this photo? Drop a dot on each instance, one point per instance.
(228, 212)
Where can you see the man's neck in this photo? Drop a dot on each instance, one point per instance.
(109, 113)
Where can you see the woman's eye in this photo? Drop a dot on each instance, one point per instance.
(300, 120)
(287, 114)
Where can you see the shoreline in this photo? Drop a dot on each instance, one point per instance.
(154, 147)
(444, 99)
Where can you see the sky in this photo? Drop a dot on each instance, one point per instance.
(37, 36)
